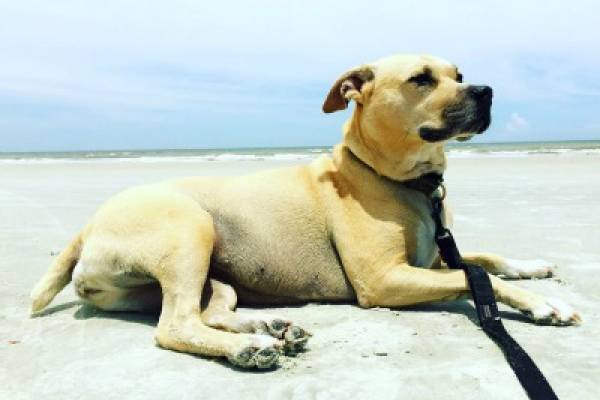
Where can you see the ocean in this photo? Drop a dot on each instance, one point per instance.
(516, 149)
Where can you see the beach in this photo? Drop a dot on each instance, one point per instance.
(516, 204)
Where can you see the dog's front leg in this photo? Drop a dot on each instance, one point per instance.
(511, 268)
(403, 285)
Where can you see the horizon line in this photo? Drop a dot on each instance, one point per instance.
(273, 147)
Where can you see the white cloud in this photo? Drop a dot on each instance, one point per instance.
(272, 58)
(308, 42)
(516, 123)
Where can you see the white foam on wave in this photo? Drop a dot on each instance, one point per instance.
(476, 154)
(165, 159)
(470, 153)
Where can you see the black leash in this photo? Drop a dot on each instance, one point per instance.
(531, 378)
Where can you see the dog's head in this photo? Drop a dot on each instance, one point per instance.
(407, 107)
(422, 96)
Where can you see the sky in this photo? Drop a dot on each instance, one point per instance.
(78, 75)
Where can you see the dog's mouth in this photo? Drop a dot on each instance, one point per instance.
(468, 116)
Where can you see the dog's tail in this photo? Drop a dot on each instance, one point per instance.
(57, 277)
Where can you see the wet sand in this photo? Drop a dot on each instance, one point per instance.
(538, 206)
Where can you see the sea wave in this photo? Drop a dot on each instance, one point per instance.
(262, 155)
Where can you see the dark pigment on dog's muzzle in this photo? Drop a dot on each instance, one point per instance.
(470, 114)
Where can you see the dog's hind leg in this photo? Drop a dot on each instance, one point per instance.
(149, 235)
(218, 312)
(182, 276)
(511, 268)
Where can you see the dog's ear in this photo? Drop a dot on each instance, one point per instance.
(347, 87)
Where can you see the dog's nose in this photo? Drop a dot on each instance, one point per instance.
(480, 92)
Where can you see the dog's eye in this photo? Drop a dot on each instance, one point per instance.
(422, 79)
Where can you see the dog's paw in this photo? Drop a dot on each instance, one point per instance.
(526, 269)
(275, 327)
(295, 339)
(262, 353)
(554, 312)
(262, 324)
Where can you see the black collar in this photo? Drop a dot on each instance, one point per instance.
(426, 183)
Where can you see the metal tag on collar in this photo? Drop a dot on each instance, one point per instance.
(442, 188)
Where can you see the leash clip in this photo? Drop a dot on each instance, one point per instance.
(443, 189)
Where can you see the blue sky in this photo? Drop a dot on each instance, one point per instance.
(124, 74)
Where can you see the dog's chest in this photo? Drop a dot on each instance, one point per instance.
(418, 228)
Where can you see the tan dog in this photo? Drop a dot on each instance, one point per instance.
(339, 229)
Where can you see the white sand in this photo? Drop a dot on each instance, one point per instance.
(529, 207)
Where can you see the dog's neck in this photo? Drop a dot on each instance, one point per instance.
(349, 164)
(402, 159)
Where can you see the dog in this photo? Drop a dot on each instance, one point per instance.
(344, 228)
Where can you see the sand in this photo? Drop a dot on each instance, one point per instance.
(523, 207)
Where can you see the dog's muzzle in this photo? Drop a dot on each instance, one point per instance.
(471, 114)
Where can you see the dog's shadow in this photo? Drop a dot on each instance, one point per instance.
(57, 308)
(87, 311)
(462, 307)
